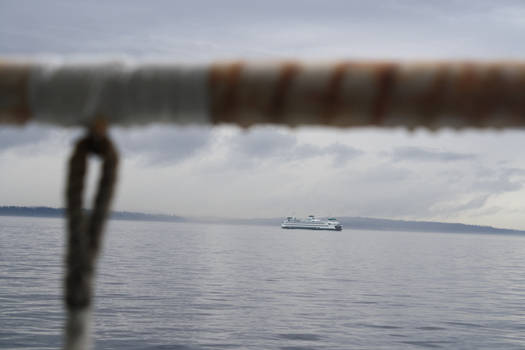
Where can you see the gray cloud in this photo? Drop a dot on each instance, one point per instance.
(474, 203)
(339, 152)
(207, 29)
(428, 155)
(34, 139)
(472, 190)
(342, 153)
(497, 180)
(386, 174)
(20, 137)
(264, 144)
(415, 191)
(162, 145)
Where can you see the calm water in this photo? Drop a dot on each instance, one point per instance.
(196, 286)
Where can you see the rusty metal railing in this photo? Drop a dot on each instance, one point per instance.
(341, 94)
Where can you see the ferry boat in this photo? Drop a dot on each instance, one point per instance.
(311, 223)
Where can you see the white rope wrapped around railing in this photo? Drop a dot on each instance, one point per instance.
(342, 94)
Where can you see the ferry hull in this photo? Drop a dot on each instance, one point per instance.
(326, 228)
(311, 223)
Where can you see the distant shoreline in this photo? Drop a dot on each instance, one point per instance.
(47, 212)
(361, 223)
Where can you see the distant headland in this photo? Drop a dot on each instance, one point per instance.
(348, 222)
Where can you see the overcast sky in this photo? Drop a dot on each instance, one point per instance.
(470, 176)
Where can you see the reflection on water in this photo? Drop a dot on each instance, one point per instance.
(196, 286)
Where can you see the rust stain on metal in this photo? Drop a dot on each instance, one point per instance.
(332, 98)
(491, 94)
(432, 100)
(518, 107)
(282, 88)
(14, 99)
(386, 78)
(467, 85)
(224, 87)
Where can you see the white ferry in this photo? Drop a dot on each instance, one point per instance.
(311, 223)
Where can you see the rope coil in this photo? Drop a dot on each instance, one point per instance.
(85, 231)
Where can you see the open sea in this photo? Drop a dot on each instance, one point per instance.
(200, 286)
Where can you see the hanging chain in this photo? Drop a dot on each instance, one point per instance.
(85, 231)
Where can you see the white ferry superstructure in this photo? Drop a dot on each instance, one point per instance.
(311, 223)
